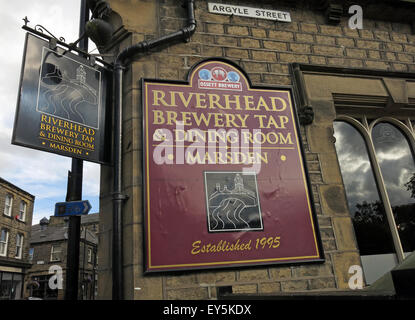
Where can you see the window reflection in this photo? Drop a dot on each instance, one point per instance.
(398, 170)
(368, 214)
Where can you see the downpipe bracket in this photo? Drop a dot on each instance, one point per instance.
(120, 197)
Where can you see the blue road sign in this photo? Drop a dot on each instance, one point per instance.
(72, 208)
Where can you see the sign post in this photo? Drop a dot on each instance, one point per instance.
(74, 192)
(72, 208)
(224, 174)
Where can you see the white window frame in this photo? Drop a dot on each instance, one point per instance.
(89, 255)
(19, 246)
(8, 205)
(22, 213)
(54, 251)
(5, 243)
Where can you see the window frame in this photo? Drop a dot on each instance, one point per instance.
(22, 214)
(6, 243)
(19, 246)
(8, 207)
(52, 252)
(365, 129)
(89, 255)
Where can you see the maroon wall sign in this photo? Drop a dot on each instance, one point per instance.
(224, 177)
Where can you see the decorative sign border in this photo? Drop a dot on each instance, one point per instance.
(182, 228)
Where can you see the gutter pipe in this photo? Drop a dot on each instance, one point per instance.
(118, 197)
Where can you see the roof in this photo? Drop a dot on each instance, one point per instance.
(57, 233)
(90, 218)
(16, 187)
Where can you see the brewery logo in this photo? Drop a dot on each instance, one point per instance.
(219, 78)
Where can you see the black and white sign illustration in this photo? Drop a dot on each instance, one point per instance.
(232, 201)
(68, 89)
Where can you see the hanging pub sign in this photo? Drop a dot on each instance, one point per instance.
(224, 175)
(61, 105)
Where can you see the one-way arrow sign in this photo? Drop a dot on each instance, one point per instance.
(72, 208)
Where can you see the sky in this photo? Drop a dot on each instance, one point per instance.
(40, 173)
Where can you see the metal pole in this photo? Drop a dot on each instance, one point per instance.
(74, 193)
(118, 199)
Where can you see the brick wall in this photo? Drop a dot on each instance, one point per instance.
(264, 49)
(13, 225)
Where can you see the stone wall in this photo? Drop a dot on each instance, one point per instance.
(264, 49)
(13, 225)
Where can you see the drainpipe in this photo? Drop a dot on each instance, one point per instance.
(118, 198)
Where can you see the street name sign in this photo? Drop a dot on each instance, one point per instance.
(72, 208)
(242, 11)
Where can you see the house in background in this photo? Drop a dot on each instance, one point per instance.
(48, 246)
(16, 213)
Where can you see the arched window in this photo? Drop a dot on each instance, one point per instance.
(378, 171)
(396, 161)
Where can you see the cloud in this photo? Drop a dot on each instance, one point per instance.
(394, 157)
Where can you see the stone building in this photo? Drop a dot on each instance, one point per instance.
(48, 246)
(16, 207)
(354, 93)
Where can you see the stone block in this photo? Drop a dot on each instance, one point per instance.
(264, 55)
(253, 275)
(148, 23)
(294, 285)
(377, 64)
(344, 233)
(320, 139)
(304, 37)
(331, 30)
(275, 45)
(289, 57)
(330, 168)
(325, 40)
(237, 30)
(309, 27)
(197, 293)
(314, 270)
(281, 35)
(269, 287)
(280, 273)
(181, 280)
(245, 288)
(236, 53)
(333, 200)
(367, 44)
(300, 47)
(322, 283)
(216, 277)
(356, 53)
(328, 50)
(341, 264)
(249, 43)
(258, 32)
